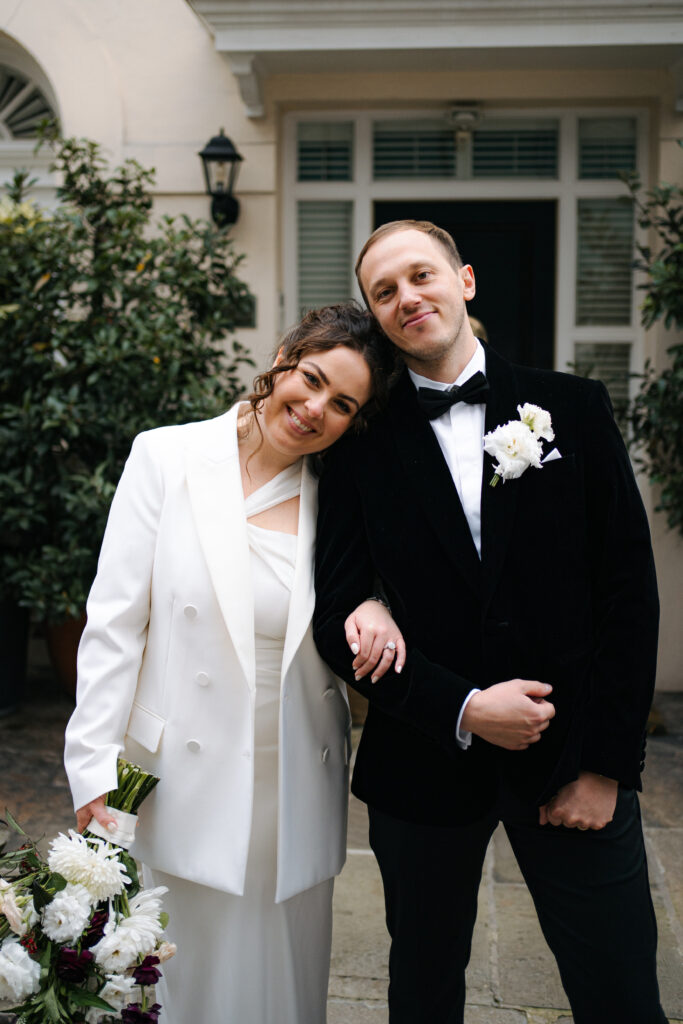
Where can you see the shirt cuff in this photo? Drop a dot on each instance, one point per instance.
(464, 739)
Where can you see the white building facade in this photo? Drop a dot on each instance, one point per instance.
(507, 121)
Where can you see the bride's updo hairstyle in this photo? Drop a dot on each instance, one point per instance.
(346, 324)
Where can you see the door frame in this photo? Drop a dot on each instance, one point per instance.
(566, 189)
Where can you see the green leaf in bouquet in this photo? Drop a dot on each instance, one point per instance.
(13, 824)
(52, 1007)
(41, 897)
(133, 888)
(46, 955)
(81, 997)
(163, 919)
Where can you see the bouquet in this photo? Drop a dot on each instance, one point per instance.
(80, 940)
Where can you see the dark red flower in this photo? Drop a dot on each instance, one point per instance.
(73, 966)
(95, 929)
(28, 941)
(134, 1014)
(146, 973)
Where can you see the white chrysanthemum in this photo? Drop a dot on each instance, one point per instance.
(132, 936)
(19, 974)
(516, 447)
(9, 907)
(89, 862)
(537, 420)
(65, 918)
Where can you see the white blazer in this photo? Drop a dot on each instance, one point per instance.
(166, 672)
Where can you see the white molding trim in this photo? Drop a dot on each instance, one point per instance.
(245, 67)
(274, 36)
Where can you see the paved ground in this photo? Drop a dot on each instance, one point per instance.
(512, 977)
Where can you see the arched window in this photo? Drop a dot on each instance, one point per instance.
(23, 105)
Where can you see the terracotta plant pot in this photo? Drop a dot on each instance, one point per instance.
(62, 644)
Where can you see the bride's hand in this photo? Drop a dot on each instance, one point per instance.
(95, 809)
(369, 629)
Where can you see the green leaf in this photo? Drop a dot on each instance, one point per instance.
(81, 997)
(13, 824)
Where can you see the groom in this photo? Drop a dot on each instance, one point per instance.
(529, 609)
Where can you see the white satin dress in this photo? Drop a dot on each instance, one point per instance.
(246, 959)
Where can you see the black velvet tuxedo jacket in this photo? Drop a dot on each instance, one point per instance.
(564, 593)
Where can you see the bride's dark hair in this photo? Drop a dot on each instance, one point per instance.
(320, 330)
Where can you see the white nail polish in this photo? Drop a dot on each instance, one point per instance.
(111, 826)
(399, 669)
(374, 679)
(355, 648)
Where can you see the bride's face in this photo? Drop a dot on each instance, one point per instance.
(312, 405)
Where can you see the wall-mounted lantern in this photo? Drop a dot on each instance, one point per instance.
(221, 163)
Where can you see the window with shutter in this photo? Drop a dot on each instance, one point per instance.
(604, 261)
(509, 149)
(413, 149)
(325, 151)
(610, 363)
(607, 145)
(324, 247)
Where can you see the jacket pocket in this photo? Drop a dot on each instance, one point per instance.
(145, 727)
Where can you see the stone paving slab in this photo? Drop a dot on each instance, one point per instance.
(512, 977)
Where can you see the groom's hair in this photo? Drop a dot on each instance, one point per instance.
(441, 237)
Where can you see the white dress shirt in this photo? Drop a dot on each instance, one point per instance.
(460, 433)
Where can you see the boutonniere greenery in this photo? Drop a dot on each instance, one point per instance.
(518, 444)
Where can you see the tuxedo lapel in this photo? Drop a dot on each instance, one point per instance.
(499, 503)
(429, 477)
(217, 501)
(303, 594)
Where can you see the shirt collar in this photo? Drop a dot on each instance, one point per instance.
(476, 364)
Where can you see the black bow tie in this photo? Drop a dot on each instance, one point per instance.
(436, 403)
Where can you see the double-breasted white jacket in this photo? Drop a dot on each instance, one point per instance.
(166, 672)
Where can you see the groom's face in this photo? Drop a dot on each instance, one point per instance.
(417, 295)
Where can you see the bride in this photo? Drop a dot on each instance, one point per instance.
(198, 662)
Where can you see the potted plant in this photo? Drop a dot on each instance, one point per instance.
(110, 325)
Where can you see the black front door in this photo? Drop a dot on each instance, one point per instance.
(511, 246)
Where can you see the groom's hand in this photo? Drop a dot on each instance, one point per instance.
(588, 802)
(512, 714)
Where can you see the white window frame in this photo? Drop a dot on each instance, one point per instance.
(567, 189)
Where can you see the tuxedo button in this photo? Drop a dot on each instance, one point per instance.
(194, 746)
(202, 679)
(190, 612)
(324, 754)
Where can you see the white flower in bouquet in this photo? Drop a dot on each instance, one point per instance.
(119, 991)
(537, 420)
(89, 862)
(516, 447)
(19, 974)
(117, 949)
(129, 937)
(65, 918)
(10, 908)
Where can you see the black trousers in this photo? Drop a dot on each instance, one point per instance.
(590, 890)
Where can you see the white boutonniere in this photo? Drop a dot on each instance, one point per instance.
(518, 444)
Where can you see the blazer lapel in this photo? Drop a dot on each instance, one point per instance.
(499, 503)
(303, 593)
(217, 501)
(428, 474)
